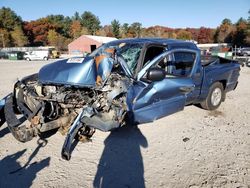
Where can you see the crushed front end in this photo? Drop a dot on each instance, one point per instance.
(38, 107)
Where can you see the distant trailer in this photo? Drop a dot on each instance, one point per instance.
(213, 45)
(27, 49)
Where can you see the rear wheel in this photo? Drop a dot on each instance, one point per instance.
(28, 59)
(45, 58)
(214, 98)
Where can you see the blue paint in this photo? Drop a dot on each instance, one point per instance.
(77, 74)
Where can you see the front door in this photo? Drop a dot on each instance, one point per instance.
(161, 98)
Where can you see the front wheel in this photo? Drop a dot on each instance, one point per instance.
(45, 58)
(214, 98)
(2, 116)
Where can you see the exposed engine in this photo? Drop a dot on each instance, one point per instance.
(75, 96)
(55, 107)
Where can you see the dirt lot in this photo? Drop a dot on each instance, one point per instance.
(192, 148)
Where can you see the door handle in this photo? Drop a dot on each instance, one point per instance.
(186, 89)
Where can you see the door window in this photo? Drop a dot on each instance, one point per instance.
(179, 64)
(183, 63)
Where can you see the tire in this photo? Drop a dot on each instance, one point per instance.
(28, 59)
(215, 96)
(45, 58)
(248, 64)
(2, 117)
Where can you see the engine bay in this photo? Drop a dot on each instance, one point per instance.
(42, 109)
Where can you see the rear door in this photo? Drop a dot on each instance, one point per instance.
(161, 98)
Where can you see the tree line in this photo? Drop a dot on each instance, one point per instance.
(60, 30)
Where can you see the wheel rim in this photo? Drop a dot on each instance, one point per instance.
(216, 97)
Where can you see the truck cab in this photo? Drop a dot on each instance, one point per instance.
(124, 82)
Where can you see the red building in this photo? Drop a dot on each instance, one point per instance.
(87, 43)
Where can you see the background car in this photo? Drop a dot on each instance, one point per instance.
(245, 52)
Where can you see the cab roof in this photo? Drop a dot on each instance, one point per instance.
(170, 43)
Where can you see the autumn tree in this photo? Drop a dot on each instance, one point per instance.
(61, 24)
(37, 31)
(52, 37)
(124, 30)
(8, 22)
(247, 40)
(57, 40)
(195, 32)
(248, 16)
(76, 16)
(75, 29)
(205, 35)
(101, 32)
(84, 31)
(8, 19)
(105, 31)
(91, 22)
(135, 30)
(227, 21)
(184, 35)
(157, 31)
(224, 32)
(19, 39)
(240, 36)
(5, 38)
(115, 28)
(59, 30)
(66, 27)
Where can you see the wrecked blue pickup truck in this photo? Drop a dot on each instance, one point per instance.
(124, 82)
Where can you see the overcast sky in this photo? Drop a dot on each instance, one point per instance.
(174, 13)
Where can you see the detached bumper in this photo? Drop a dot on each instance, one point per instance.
(15, 124)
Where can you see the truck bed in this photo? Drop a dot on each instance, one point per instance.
(207, 60)
(218, 69)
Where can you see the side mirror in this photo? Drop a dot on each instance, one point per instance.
(156, 74)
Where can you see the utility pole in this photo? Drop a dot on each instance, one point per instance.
(3, 40)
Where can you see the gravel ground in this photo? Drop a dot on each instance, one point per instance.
(192, 148)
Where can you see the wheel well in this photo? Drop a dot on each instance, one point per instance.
(224, 83)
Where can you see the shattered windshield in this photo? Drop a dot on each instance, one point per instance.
(130, 52)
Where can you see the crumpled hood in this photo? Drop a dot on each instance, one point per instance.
(76, 71)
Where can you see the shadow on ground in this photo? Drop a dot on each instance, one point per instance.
(121, 163)
(13, 174)
(4, 131)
